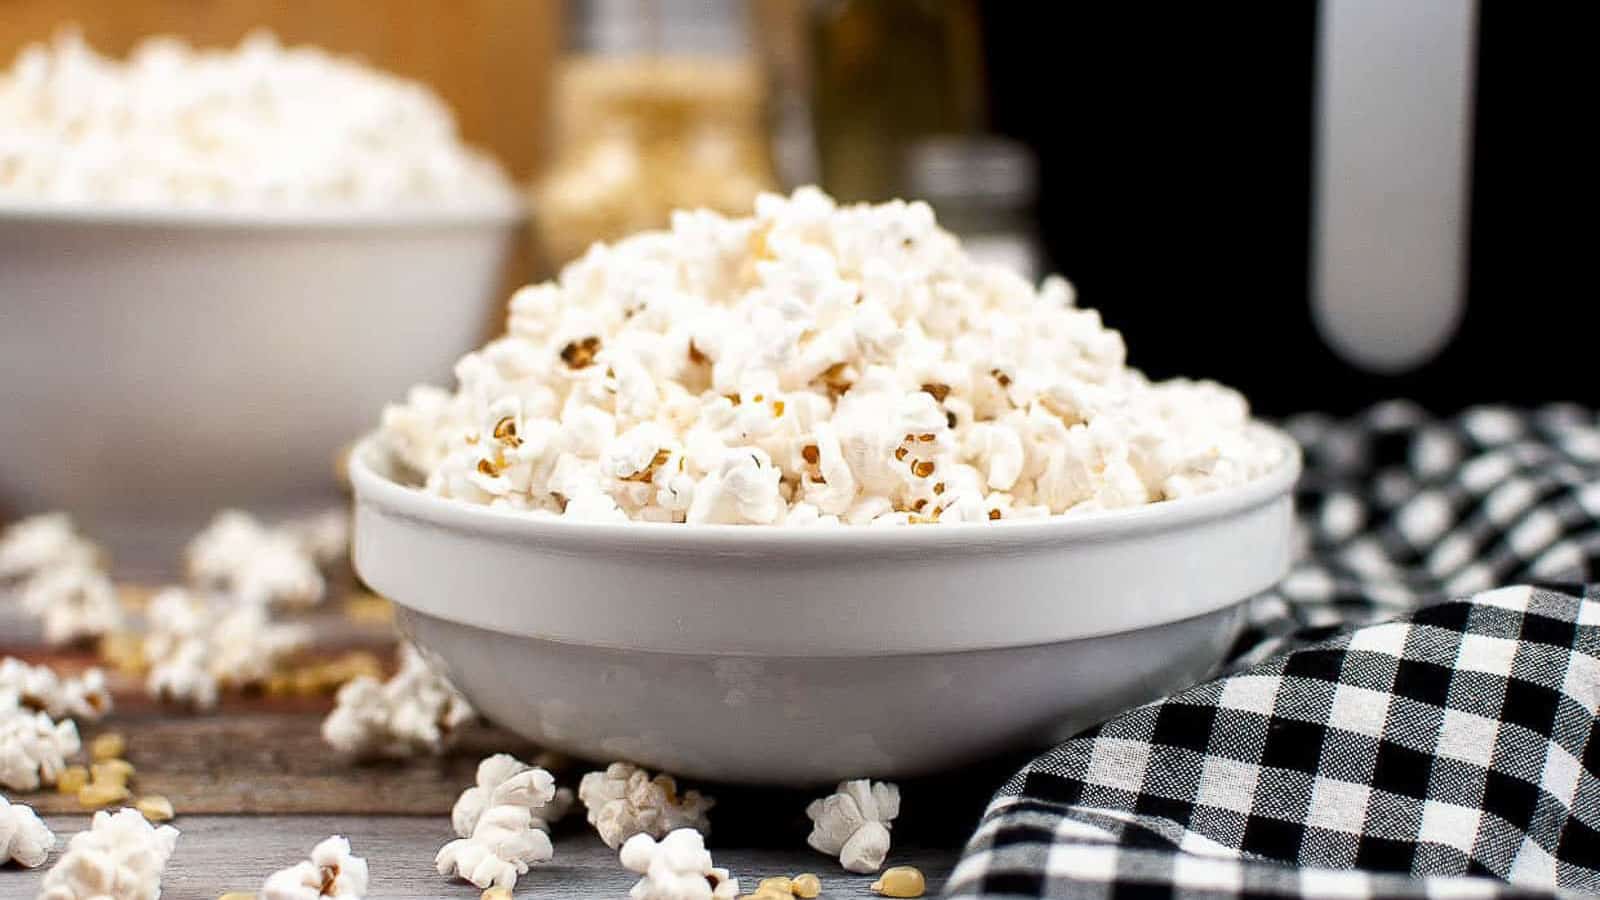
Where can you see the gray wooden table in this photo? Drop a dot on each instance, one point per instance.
(222, 853)
(255, 788)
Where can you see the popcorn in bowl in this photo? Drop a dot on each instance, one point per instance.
(260, 126)
(812, 365)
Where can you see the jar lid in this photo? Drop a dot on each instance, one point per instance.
(978, 170)
(659, 27)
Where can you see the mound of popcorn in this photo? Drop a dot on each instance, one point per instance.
(813, 364)
(258, 126)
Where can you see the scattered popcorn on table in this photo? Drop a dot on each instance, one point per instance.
(415, 711)
(183, 677)
(502, 779)
(194, 648)
(75, 600)
(324, 536)
(332, 872)
(676, 868)
(24, 839)
(812, 365)
(39, 688)
(501, 824)
(121, 855)
(853, 823)
(33, 747)
(32, 545)
(901, 881)
(259, 126)
(251, 563)
(624, 800)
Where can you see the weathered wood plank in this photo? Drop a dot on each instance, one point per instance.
(259, 761)
(223, 853)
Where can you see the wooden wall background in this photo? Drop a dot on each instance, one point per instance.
(491, 59)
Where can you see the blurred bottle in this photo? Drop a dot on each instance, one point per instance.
(659, 106)
(886, 73)
(985, 191)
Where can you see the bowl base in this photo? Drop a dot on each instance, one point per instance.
(802, 721)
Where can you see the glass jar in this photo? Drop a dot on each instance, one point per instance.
(642, 130)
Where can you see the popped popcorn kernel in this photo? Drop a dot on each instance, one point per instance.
(34, 748)
(625, 800)
(676, 867)
(416, 711)
(120, 848)
(853, 823)
(502, 823)
(40, 688)
(333, 872)
(24, 838)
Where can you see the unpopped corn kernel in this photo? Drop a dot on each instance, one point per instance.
(72, 779)
(368, 609)
(96, 794)
(124, 651)
(496, 893)
(155, 807)
(113, 771)
(780, 883)
(901, 881)
(110, 745)
(806, 886)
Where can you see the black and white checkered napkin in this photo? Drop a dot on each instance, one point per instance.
(1372, 739)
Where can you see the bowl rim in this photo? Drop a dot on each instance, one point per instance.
(370, 484)
(512, 210)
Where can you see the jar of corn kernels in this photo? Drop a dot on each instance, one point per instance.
(652, 115)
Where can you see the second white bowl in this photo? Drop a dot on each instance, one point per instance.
(159, 365)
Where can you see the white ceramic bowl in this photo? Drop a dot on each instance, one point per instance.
(158, 365)
(796, 656)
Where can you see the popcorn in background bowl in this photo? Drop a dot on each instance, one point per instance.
(216, 264)
(813, 365)
(261, 126)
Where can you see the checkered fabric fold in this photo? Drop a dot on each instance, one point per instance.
(1373, 739)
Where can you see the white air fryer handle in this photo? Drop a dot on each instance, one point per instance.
(1393, 149)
